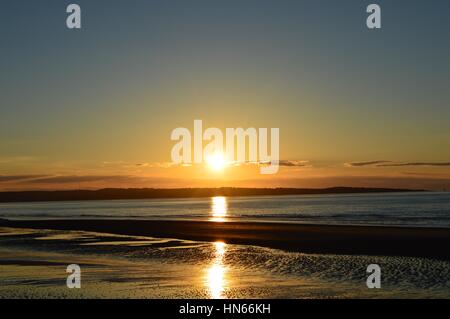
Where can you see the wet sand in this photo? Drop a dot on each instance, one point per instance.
(33, 265)
(318, 239)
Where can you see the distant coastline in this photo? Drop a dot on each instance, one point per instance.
(153, 193)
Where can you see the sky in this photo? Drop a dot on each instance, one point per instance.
(95, 107)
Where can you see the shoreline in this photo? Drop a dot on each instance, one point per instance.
(305, 238)
(178, 193)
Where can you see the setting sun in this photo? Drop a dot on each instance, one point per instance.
(216, 161)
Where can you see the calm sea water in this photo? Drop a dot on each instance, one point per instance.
(406, 209)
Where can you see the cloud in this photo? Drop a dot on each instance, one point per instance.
(370, 163)
(286, 163)
(17, 159)
(294, 163)
(396, 164)
(80, 179)
(414, 164)
(142, 164)
(420, 174)
(131, 165)
(15, 178)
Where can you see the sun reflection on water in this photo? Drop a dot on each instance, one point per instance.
(216, 273)
(219, 208)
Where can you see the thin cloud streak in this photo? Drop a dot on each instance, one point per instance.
(370, 163)
(296, 163)
(83, 179)
(413, 164)
(15, 178)
(396, 164)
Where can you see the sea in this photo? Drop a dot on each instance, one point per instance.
(413, 209)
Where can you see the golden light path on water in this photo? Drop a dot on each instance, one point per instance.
(216, 280)
(216, 273)
(219, 209)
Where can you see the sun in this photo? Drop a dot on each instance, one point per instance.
(216, 161)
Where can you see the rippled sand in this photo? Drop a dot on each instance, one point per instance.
(33, 265)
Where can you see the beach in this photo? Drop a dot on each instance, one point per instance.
(34, 261)
(323, 239)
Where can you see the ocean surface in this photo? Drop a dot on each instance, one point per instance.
(419, 209)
